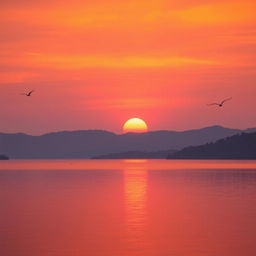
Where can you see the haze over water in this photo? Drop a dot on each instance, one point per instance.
(127, 208)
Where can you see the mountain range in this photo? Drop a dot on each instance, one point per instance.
(240, 146)
(91, 143)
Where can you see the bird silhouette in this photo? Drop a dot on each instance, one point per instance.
(28, 94)
(219, 104)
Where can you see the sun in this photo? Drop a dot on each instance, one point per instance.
(135, 125)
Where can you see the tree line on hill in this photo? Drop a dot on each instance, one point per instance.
(241, 146)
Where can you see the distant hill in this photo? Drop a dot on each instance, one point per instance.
(90, 143)
(3, 157)
(241, 146)
(136, 155)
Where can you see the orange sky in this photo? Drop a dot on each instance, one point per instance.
(95, 64)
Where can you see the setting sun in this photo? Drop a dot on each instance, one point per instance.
(135, 125)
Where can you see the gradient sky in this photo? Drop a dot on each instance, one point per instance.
(94, 64)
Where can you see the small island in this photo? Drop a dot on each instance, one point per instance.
(136, 155)
(3, 157)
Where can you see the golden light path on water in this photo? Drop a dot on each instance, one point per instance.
(135, 186)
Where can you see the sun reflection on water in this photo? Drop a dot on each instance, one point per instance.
(135, 185)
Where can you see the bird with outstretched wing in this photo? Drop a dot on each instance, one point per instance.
(28, 94)
(219, 104)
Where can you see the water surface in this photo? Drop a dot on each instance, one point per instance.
(127, 208)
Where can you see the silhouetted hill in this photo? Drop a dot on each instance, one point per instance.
(241, 146)
(89, 143)
(136, 155)
(250, 130)
(3, 157)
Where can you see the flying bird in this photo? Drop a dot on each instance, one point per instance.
(221, 103)
(29, 93)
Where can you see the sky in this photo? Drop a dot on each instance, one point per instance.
(94, 64)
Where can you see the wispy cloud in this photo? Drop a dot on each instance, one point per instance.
(76, 62)
(223, 13)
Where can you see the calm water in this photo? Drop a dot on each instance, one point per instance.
(127, 208)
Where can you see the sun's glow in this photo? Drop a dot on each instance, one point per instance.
(135, 125)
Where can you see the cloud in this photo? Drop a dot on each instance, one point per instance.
(92, 14)
(130, 14)
(223, 13)
(79, 62)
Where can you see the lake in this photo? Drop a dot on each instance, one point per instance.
(127, 208)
